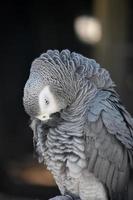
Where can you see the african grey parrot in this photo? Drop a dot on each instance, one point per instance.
(82, 132)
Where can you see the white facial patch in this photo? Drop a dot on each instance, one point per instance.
(47, 104)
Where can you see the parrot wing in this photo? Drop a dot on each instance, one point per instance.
(109, 140)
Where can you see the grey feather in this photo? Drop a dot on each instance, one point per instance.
(115, 121)
(93, 132)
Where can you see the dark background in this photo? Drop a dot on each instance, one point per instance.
(28, 28)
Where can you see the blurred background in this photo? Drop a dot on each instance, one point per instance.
(99, 29)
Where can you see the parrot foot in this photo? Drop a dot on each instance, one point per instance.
(62, 197)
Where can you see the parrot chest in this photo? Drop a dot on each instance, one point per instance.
(65, 158)
(63, 151)
(67, 175)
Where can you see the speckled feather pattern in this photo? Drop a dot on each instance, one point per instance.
(90, 145)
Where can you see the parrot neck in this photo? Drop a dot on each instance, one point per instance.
(78, 107)
(74, 117)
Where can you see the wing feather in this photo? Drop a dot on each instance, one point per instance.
(109, 140)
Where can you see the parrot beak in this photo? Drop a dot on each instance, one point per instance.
(43, 117)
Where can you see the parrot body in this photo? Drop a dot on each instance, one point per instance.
(82, 132)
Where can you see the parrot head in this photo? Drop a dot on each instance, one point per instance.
(49, 88)
(58, 79)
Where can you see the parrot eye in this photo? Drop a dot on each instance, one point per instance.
(46, 101)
